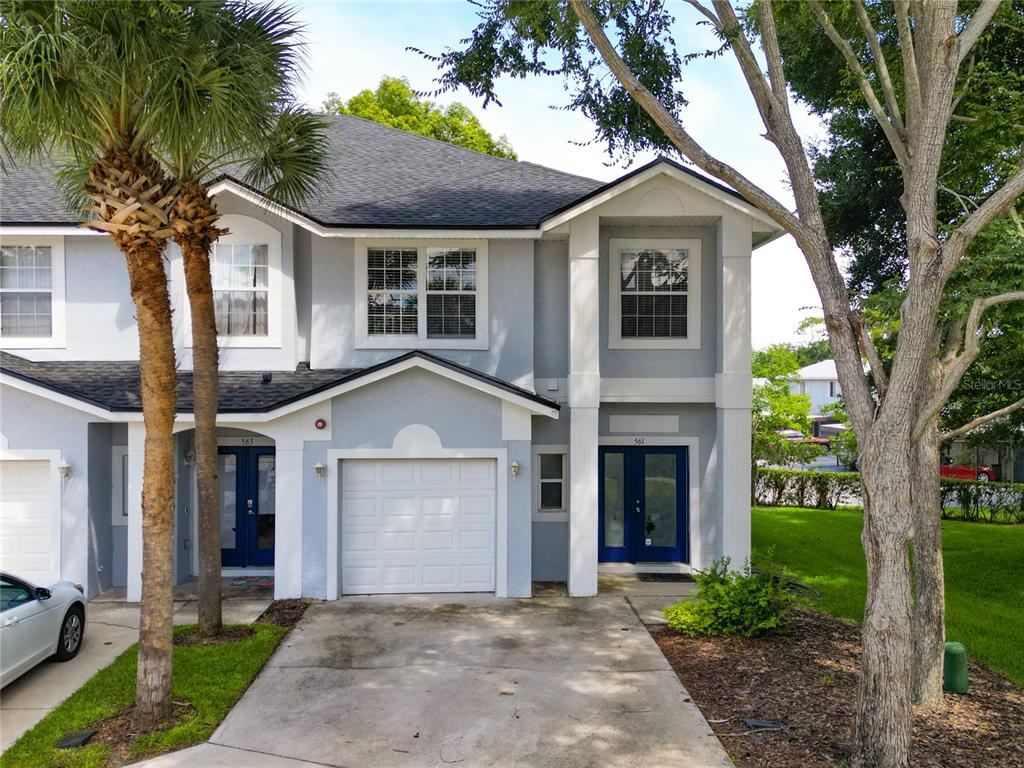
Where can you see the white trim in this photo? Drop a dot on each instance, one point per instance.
(551, 515)
(615, 390)
(59, 230)
(363, 339)
(58, 296)
(658, 169)
(53, 456)
(336, 455)
(119, 485)
(185, 420)
(692, 444)
(245, 230)
(516, 422)
(693, 294)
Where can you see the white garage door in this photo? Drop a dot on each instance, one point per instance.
(417, 526)
(29, 523)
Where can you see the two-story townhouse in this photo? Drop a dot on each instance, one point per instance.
(448, 372)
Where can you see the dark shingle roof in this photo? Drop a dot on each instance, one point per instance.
(114, 385)
(377, 177)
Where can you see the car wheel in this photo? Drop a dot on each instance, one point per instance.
(72, 632)
(983, 477)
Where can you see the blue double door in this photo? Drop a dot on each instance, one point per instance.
(643, 505)
(247, 505)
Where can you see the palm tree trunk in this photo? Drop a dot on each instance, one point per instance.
(158, 379)
(131, 199)
(194, 231)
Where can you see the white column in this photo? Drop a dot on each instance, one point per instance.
(288, 525)
(136, 456)
(584, 400)
(733, 386)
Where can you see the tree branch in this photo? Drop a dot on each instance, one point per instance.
(995, 205)
(981, 421)
(911, 79)
(871, 353)
(881, 66)
(888, 127)
(959, 364)
(772, 53)
(679, 135)
(976, 26)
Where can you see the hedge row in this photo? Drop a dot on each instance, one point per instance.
(968, 500)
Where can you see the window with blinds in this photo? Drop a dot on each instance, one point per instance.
(653, 293)
(241, 289)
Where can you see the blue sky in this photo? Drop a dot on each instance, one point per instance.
(351, 45)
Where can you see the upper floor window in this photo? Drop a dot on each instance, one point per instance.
(421, 295)
(247, 274)
(241, 289)
(654, 300)
(32, 292)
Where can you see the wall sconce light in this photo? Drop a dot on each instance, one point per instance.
(320, 471)
(64, 469)
(190, 458)
(514, 466)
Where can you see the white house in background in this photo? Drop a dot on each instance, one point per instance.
(448, 372)
(821, 382)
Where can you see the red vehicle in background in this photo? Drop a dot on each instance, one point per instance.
(962, 472)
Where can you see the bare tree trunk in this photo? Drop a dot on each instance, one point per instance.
(194, 231)
(883, 722)
(929, 586)
(158, 380)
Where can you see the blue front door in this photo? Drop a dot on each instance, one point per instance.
(643, 505)
(247, 506)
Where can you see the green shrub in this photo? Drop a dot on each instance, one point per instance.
(743, 602)
(804, 488)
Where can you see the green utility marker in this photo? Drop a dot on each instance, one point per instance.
(954, 668)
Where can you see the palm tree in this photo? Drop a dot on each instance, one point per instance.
(245, 57)
(90, 85)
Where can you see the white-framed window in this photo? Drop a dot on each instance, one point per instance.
(245, 267)
(654, 294)
(424, 294)
(551, 483)
(31, 292)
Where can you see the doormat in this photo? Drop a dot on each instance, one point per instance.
(664, 577)
(253, 581)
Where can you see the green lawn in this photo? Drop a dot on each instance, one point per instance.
(984, 567)
(210, 677)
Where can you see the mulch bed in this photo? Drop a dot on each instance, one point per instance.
(284, 613)
(120, 733)
(808, 678)
(227, 635)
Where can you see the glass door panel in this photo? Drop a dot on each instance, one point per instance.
(232, 539)
(613, 532)
(660, 502)
(263, 519)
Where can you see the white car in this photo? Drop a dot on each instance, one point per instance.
(37, 623)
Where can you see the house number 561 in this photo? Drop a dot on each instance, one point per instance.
(638, 441)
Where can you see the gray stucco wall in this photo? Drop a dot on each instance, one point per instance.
(372, 416)
(100, 528)
(184, 509)
(550, 551)
(509, 355)
(551, 309)
(119, 533)
(639, 363)
(28, 421)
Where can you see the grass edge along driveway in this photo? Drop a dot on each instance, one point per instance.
(209, 677)
(984, 567)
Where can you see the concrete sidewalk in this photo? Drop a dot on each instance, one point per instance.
(441, 679)
(111, 627)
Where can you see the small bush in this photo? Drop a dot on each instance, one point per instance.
(733, 603)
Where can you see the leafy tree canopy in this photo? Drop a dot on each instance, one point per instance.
(394, 103)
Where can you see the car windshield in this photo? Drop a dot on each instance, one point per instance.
(13, 594)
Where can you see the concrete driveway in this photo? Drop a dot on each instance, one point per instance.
(432, 681)
(111, 626)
